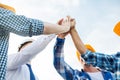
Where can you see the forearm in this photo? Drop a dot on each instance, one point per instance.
(54, 28)
(30, 51)
(59, 57)
(58, 54)
(77, 41)
(38, 45)
(60, 65)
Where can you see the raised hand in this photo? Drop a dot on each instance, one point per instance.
(64, 22)
(72, 23)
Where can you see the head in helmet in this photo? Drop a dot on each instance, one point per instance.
(117, 29)
(89, 47)
(25, 43)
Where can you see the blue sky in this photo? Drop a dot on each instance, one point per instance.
(95, 22)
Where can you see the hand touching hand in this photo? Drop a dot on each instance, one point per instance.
(72, 23)
(64, 22)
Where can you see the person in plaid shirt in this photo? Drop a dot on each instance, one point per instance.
(21, 25)
(68, 73)
(104, 61)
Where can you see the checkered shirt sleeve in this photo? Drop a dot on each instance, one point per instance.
(104, 61)
(18, 24)
(62, 68)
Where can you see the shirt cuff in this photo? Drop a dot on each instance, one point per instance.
(60, 41)
(85, 54)
(36, 27)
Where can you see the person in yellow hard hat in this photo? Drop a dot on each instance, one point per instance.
(89, 72)
(24, 26)
(104, 61)
(116, 29)
(89, 47)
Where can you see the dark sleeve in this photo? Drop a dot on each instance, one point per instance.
(101, 60)
(62, 68)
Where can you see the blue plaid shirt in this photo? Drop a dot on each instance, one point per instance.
(66, 71)
(104, 61)
(18, 24)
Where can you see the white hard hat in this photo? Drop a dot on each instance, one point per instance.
(27, 40)
(24, 41)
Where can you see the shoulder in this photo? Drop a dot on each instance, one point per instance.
(108, 74)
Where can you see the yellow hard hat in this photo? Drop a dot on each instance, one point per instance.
(89, 47)
(117, 29)
(7, 7)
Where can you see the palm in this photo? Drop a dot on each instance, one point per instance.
(72, 23)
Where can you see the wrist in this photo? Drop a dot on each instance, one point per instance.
(60, 41)
(72, 29)
(61, 36)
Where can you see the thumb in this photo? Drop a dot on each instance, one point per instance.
(60, 21)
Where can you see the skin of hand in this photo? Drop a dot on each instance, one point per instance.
(62, 22)
(76, 39)
(63, 35)
(72, 26)
(56, 28)
(72, 22)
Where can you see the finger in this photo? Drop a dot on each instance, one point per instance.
(72, 19)
(69, 18)
(63, 22)
(66, 20)
(60, 21)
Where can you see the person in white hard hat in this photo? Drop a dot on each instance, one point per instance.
(21, 25)
(18, 65)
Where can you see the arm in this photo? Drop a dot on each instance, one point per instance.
(26, 54)
(103, 61)
(62, 68)
(76, 39)
(19, 24)
(57, 28)
(24, 26)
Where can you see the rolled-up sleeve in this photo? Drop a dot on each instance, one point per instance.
(20, 24)
(101, 60)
